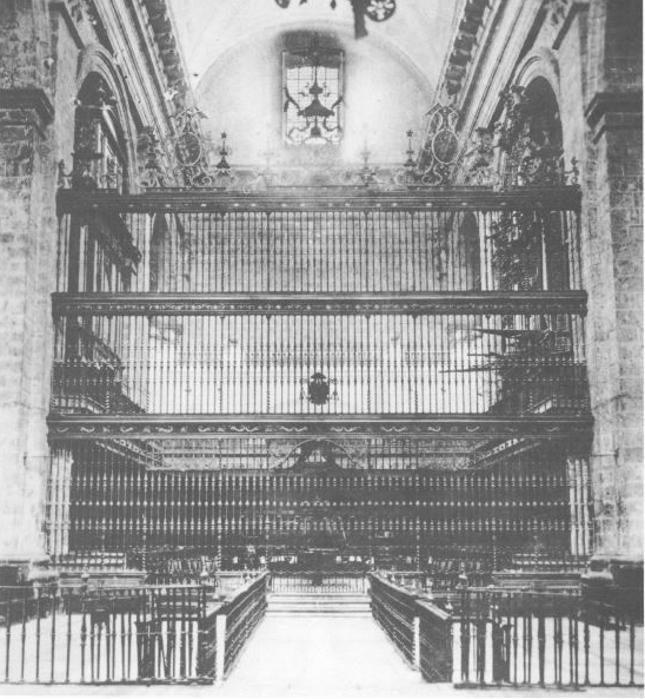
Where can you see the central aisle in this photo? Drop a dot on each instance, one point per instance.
(321, 656)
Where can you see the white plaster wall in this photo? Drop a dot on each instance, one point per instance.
(384, 96)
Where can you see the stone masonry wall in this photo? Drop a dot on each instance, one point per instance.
(45, 47)
(26, 225)
(591, 54)
(613, 197)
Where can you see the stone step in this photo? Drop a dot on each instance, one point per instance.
(315, 611)
(318, 603)
(331, 597)
(351, 604)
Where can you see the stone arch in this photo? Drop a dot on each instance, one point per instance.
(541, 63)
(96, 59)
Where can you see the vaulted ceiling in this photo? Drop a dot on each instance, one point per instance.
(419, 30)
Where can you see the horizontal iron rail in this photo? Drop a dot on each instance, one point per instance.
(302, 426)
(466, 198)
(171, 304)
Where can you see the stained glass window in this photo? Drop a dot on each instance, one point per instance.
(313, 96)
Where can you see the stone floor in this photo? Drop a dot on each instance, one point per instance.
(313, 656)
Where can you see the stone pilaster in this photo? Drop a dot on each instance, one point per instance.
(614, 273)
(27, 237)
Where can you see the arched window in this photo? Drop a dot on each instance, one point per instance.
(312, 86)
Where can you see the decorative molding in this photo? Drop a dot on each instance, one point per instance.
(412, 199)
(62, 428)
(32, 101)
(164, 32)
(483, 302)
(613, 111)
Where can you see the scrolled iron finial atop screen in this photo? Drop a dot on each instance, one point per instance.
(375, 10)
(441, 147)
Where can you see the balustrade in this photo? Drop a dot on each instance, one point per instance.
(95, 635)
(545, 639)
(243, 613)
(394, 610)
(494, 637)
(171, 633)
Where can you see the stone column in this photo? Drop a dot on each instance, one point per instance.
(60, 482)
(614, 255)
(27, 236)
(579, 505)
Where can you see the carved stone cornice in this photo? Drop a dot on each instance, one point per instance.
(475, 427)
(29, 105)
(563, 198)
(164, 32)
(612, 111)
(464, 45)
(447, 303)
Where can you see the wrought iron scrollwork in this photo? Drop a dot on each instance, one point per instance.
(523, 149)
(154, 171)
(440, 150)
(188, 166)
(480, 162)
(533, 157)
(191, 149)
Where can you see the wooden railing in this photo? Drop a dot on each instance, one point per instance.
(435, 642)
(243, 613)
(181, 634)
(482, 638)
(394, 609)
(546, 639)
(57, 634)
(227, 627)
